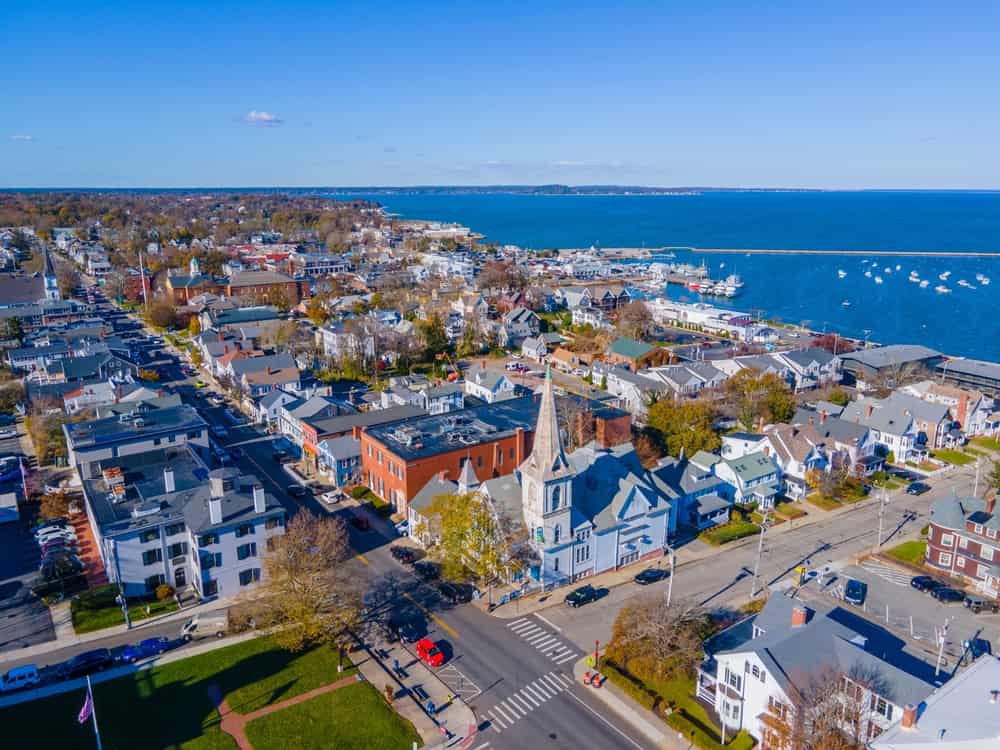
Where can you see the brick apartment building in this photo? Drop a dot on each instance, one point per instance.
(397, 460)
(964, 540)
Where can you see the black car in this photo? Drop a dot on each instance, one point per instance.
(427, 570)
(361, 523)
(404, 555)
(917, 488)
(455, 593)
(855, 592)
(583, 595)
(978, 604)
(295, 490)
(409, 630)
(281, 456)
(925, 583)
(650, 575)
(86, 663)
(6, 420)
(947, 595)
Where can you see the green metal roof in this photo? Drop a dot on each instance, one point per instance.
(630, 348)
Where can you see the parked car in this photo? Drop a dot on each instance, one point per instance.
(427, 570)
(455, 593)
(53, 546)
(281, 456)
(19, 678)
(925, 583)
(583, 595)
(8, 433)
(361, 523)
(295, 490)
(404, 555)
(855, 592)
(200, 384)
(650, 575)
(143, 649)
(917, 488)
(429, 653)
(53, 532)
(948, 595)
(408, 630)
(403, 528)
(332, 497)
(86, 663)
(52, 523)
(7, 419)
(979, 604)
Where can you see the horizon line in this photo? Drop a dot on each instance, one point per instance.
(495, 186)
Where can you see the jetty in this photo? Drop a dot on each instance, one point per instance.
(863, 253)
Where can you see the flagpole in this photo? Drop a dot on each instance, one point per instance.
(93, 713)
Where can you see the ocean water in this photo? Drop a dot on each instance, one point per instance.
(798, 289)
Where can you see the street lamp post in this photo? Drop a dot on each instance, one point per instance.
(670, 583)
(760, 551)
(881, 518)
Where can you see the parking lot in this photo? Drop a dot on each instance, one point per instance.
(24, 620)
(910, 614)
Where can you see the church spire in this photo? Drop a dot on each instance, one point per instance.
(547, 460)
(467, 481)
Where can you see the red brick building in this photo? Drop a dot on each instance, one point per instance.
(964, 540)
(397, 460)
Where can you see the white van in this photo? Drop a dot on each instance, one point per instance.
(205, 626)
(19, 677)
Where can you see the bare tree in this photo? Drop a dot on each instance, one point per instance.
(308, 593)
(634, 320)
(650, 638)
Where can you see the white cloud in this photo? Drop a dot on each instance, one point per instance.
(262, 118)
(568, 163)
(22, 137)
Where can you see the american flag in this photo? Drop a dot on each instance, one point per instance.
(87, 710)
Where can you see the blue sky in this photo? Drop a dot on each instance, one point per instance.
(811, 94)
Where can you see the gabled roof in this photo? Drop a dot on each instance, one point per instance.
(891, 356)
(752, 466)
(241, 367)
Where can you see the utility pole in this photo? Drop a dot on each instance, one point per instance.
(975, 487)
(942, 637)
(881, 517)
(760, 551)
(670, 583)
(142, 281)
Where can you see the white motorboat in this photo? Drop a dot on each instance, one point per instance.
(868, 274)
(944, 276)
(942, 289)
(878, 279)
(842, 273)
(924, 284)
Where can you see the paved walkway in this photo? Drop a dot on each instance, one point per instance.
(234, 724)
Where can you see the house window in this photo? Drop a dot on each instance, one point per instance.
(986, 552)
(734, 680)
(269, 544)
(369, 450)
(963, 542)
(947, 540)
(556, 534)
(211, 588)
(555, 497)
(246, 550)
(479, 461)
(978, 528)
(960, 562)
(175, 528)
(756, 671)
(982, 571)
(208, 539)
(500, 457)
(944, 558)
(148, 536)
(511, 454)
(194, 435)
(243, 530)
(248, 576)
(176, 550)
(157, 441)
(153, 581)
(151, 556)
(380, 457)
(272, 523)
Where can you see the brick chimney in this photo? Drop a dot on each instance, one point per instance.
(991, 501)
(962, 412)
(800, 616)
(909, 720)
(822, 416)
(869, 409)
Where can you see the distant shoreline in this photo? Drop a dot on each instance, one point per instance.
(540, 190)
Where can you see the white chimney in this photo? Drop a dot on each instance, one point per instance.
(259, 504)
(215, 510)
(168, 480)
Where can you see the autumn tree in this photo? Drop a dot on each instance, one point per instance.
(833, 343)
(754, 395)
(54, 505)
(160, 313)
(68, 279)
(194, 325)
(634, 320)
(472, 537)
(309, 594)
(14, 329)
(838, 397)
(684, 425)
(651, 639)
(433, 334)
(502, 276)
(11, 394)
(316, 310)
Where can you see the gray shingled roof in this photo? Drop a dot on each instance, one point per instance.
(891, 356)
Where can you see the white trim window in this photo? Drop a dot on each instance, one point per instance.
(944, 558)
(947, 540)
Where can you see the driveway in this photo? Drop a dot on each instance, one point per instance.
(24, 620)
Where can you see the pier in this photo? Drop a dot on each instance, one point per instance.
(896, 253)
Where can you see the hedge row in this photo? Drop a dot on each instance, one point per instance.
(693, 731)
(729, 532)
(635, 690)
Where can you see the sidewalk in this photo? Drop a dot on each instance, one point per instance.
(692, 552)
(416, 688)
(66, 636)
(647, 723)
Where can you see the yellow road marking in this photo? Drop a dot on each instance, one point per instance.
(444, 626)
(362, 558)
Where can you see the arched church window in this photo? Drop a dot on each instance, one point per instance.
(555, 497)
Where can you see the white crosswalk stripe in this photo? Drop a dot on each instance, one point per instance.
(889, 573)
(543, 639)
(528, 698)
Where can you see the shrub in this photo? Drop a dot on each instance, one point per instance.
(359, 492)
(729, 532)
(164, 591)
(635, 690)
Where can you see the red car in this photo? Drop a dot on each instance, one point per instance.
(428, 652)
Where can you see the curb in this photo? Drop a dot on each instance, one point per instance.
(621, 706)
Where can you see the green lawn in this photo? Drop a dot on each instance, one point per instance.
(168, 706)
(909, 552)
(952, 456)
(729, 532)
(355, 717)
(989, 443)
(89, 620)
(825, 503)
